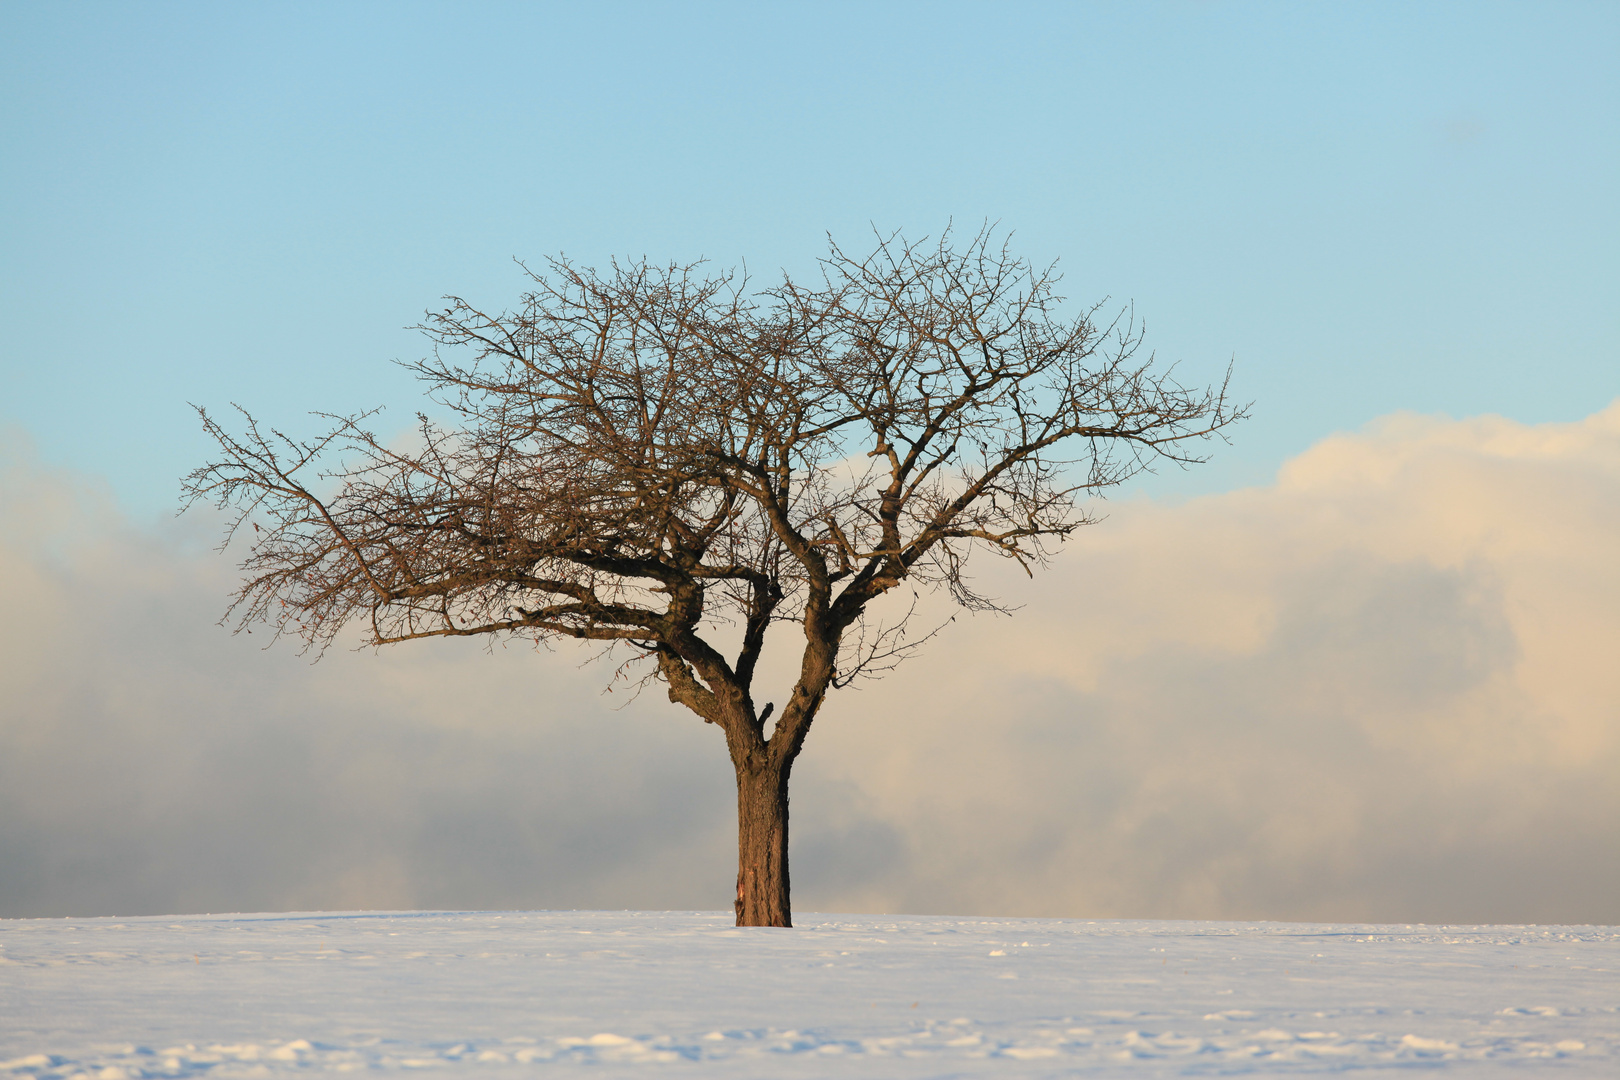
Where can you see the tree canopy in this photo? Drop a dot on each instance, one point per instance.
(661, 460)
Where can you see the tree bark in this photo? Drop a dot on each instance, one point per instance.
(762, 845)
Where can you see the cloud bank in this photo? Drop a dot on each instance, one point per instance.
(1382, 688)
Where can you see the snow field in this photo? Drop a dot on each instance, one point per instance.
(643, 994)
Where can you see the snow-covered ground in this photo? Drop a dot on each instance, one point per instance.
(626, 993)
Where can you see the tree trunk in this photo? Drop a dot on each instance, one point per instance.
(762, 846)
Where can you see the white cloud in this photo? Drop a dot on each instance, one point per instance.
(1382, 688)
(150, 762)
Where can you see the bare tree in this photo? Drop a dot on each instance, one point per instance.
(659, 460)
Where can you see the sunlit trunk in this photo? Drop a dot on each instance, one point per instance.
(762, 847)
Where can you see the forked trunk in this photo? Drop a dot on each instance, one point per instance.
(762, 847)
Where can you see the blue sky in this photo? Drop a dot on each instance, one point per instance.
(1369, 207)
(1367, 674)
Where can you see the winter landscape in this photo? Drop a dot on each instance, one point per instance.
(1213, 405)
(688, 994)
